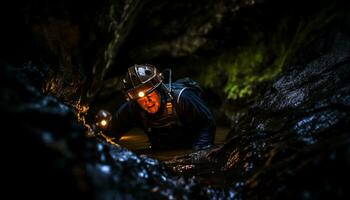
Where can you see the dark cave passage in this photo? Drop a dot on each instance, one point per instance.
(276, 76)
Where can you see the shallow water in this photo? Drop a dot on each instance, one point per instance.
(136, 141)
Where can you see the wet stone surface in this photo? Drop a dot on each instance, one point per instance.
(291, 143)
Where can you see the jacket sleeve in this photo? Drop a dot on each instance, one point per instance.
(194, 114)
(122, 121)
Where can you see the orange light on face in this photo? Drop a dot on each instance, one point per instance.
(150, 102)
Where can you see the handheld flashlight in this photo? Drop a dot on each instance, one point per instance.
(103, 118)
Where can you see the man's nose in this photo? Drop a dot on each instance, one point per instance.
(149, 98)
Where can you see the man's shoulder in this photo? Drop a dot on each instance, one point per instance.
(187, 88)
(188, 92)
(184, 95)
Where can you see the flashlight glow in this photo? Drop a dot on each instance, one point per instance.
(103, 122)
(141, 94)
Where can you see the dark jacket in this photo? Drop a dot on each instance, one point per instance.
(190, 123)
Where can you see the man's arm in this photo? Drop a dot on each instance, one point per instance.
(122, 121)
(194, 113)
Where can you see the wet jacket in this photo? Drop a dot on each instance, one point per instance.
(186, 122)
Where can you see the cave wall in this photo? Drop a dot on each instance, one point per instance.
(293, 140)
(230, 47)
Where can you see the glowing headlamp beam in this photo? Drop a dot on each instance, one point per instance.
(141, 94)
(103, 122)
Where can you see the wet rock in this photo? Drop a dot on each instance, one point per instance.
(293, 142)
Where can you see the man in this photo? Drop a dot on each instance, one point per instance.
(171, 117)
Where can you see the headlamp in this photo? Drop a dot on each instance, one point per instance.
(141, 94)
(142, 90)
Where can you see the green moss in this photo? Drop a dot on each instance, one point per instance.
(238, 71)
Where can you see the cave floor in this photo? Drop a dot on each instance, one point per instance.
(136, 141)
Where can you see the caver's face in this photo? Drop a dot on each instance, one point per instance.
(150, 102)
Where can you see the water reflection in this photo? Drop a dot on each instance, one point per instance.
(106, 169)
(136, 141)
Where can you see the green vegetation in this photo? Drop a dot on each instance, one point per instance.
(238, 71)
